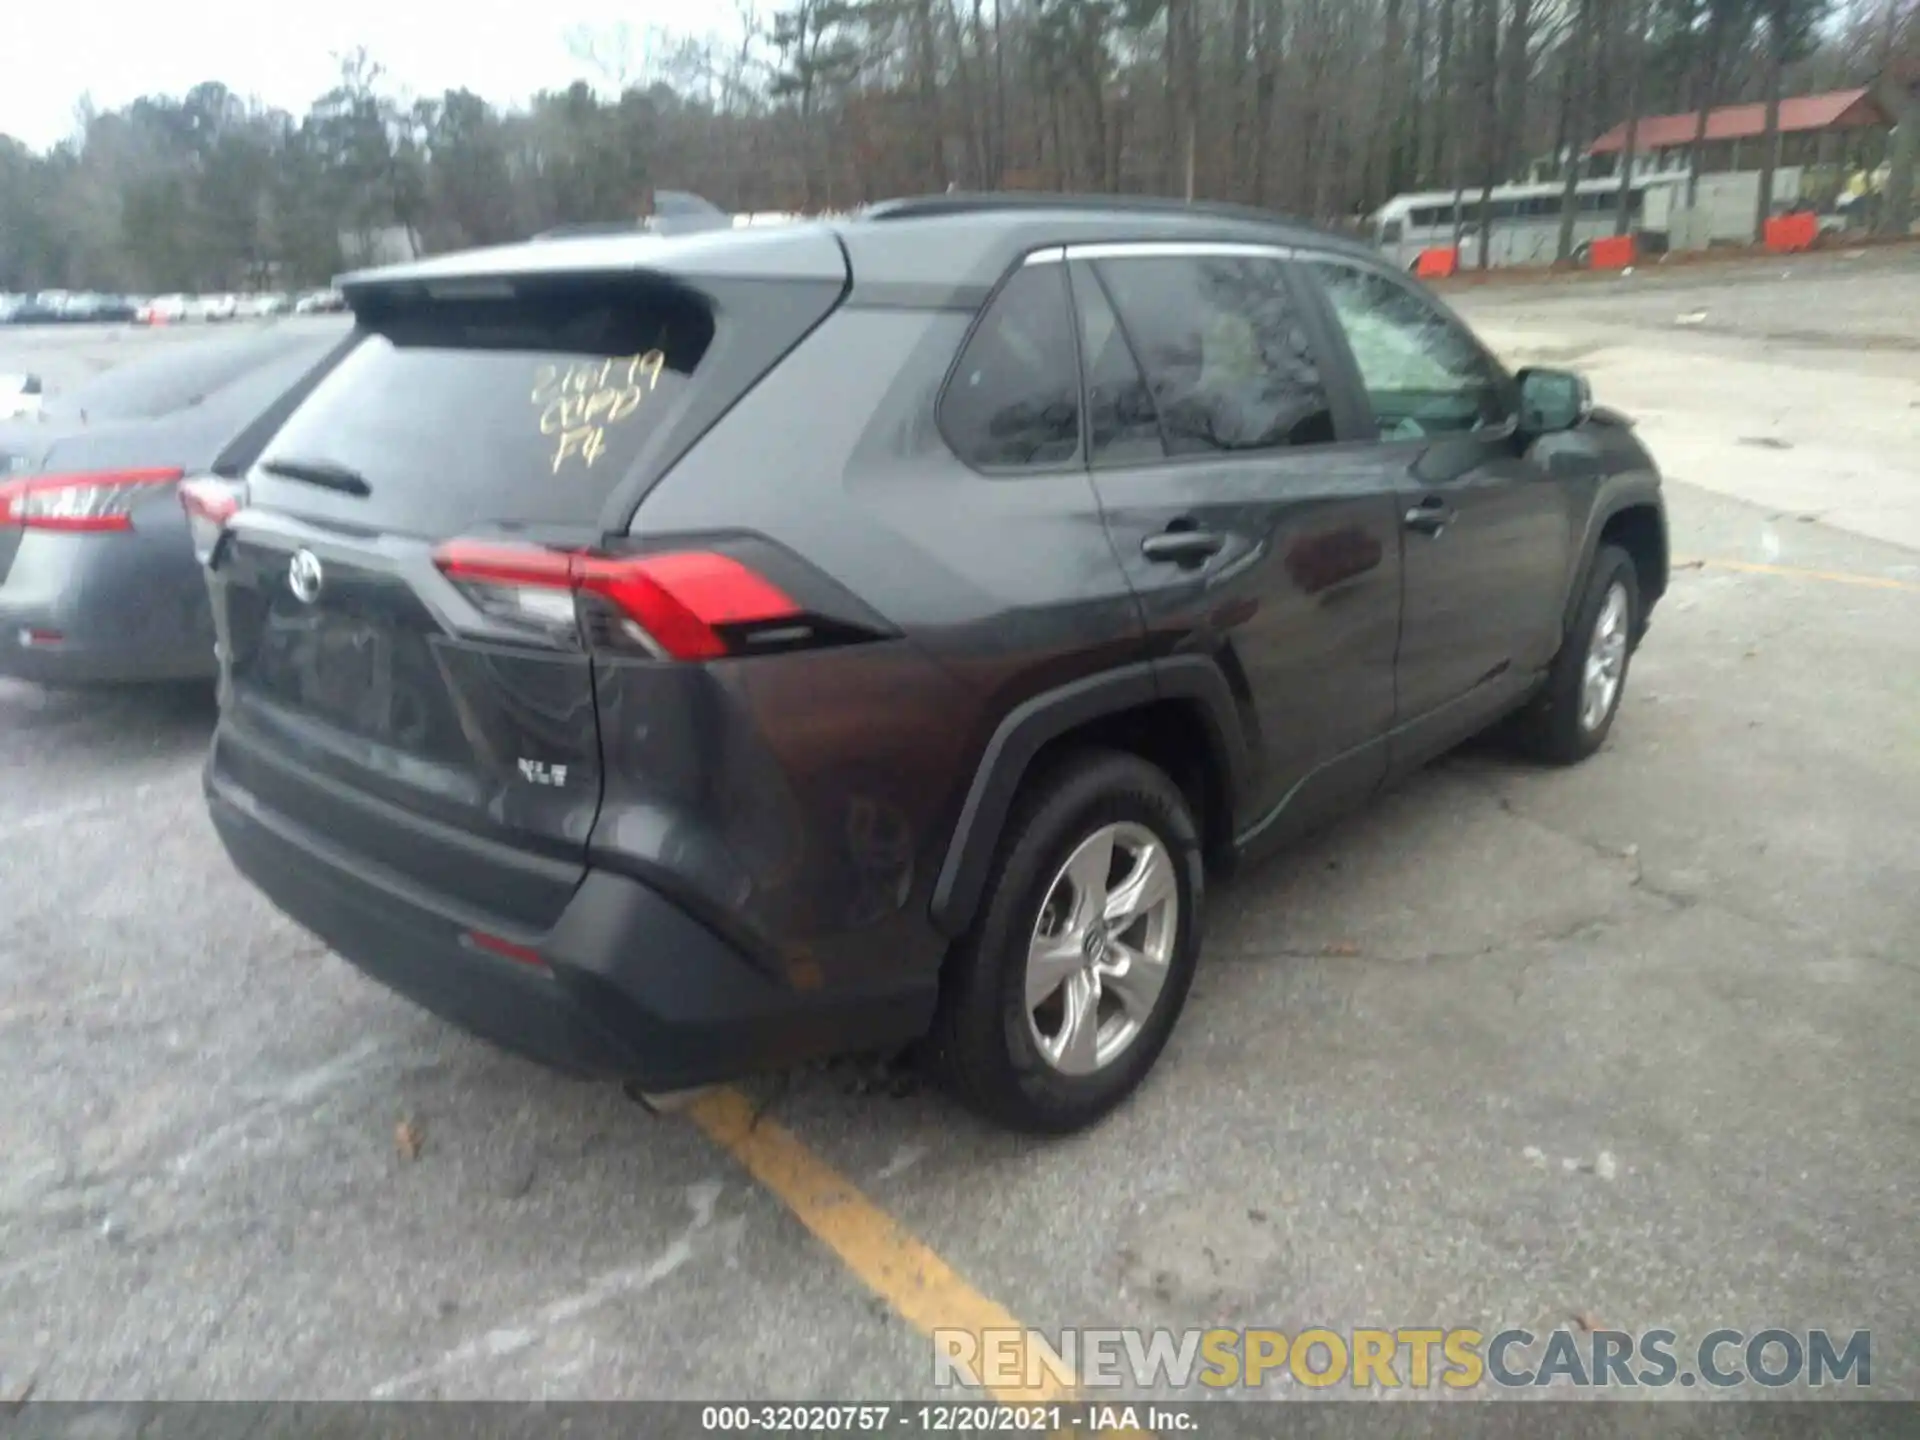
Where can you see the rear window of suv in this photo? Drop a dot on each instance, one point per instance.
(472, 414)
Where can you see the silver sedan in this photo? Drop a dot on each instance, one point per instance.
(98, 581)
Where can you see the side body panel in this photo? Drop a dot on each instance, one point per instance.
(1487, 529)
(833, 780)
(1295, 598)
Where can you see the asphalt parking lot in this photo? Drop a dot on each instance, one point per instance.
(1629, 1046)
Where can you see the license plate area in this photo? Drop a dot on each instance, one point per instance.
(337, 667)
(353, 672)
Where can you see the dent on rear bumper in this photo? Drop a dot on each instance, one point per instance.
(636, 989)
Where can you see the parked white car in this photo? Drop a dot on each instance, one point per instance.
(162, 310)
(20, 396)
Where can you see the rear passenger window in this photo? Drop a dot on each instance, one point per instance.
(1014, 399)
(1122, 425)
(1225, 355)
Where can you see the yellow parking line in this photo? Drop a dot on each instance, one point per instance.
(1832, 577)
(921, 1287)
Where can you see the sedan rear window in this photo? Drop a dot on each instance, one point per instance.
(464, 415)
(177, 377)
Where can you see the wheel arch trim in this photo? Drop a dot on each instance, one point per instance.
(1034, 723)
(1623, 493)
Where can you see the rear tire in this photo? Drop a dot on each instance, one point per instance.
(1574, 713)
(1059, 1062)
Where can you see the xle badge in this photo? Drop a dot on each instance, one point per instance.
(539, 772)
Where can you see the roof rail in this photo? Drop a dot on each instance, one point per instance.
(987, 202)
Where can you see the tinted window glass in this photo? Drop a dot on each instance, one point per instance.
(259, 402)
(182, 375)
(1423, 374)
(1014, 400)
(1122, 425)
(1225, 355)
(529, 410)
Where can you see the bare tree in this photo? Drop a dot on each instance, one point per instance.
(1319, 106)
(1487, 82)
(1898, 85)
(1583, 47)
(1790, 30)
(1728, 24)
(1638, 12)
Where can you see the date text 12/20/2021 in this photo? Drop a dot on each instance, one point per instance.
(1080, 1422)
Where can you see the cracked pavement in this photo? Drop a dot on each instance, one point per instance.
(1633, 1041)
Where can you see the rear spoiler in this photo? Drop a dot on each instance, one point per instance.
(786, 252)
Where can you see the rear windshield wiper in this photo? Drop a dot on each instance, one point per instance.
(319, 472)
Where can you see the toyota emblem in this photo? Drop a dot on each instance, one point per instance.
(304, 576)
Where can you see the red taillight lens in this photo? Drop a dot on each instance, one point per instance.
(99, 500)
(676, 604)
(217, 501)
(210, 503)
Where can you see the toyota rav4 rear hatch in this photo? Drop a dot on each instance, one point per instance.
(430, 551)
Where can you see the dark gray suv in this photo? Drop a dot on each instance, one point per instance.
(676, 657)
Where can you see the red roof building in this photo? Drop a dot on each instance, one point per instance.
(1810, 127)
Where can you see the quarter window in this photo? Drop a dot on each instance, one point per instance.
(1224, 352)
(1423, 375)
(1014, 399)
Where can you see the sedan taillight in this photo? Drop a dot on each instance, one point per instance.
(97, 500)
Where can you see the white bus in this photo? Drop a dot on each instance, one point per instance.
(1525, 219)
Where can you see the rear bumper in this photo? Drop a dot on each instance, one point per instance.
(629, 986)
(65, 662)
(78, 609)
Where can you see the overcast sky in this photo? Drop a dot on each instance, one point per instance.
(116, 50)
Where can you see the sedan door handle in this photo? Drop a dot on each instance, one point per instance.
(1183, 547)
(1430, 516)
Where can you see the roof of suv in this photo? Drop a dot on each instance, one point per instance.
(939, 251)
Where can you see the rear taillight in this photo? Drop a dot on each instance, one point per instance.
(679, 605)
(97, 500)
(210, 502)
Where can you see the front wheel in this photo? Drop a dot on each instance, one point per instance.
(1572, 715)
(1061, 997)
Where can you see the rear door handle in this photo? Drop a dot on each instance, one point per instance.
(1183, 547)
(1430, 516)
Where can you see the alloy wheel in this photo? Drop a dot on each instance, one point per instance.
(1606, 663)
(1101, 948)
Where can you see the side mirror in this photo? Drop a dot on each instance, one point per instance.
(1552, 401)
